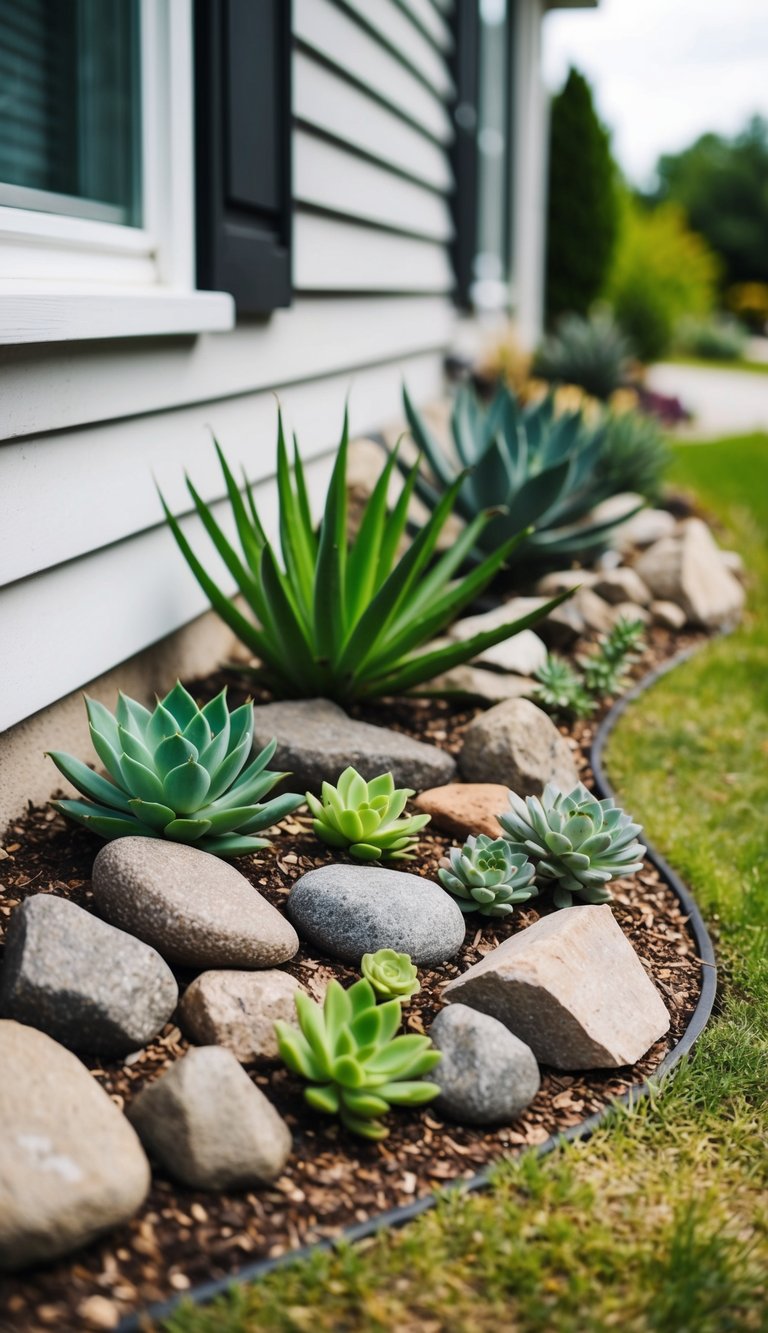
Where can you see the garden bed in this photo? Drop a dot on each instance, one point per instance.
(181, 1238)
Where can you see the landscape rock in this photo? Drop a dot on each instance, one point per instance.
(518, 745)
(647, 527)
(668, 615)
(559, 629)
(523, 653)
(622, 585)
(88, 985)
(734, 564)
(195, 909)
(71, 1167)
(491, 687)
(687, 569)
(615, 508)
(464, 808)
(630, 611)
(316, 741)
(596, 614)
(572, 987)
(550, 585)
(348, 910)
(238, 1010)
(487, 1075)
(209, 1126)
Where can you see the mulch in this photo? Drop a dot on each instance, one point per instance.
(333, 1180)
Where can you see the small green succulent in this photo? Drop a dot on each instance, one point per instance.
(176, 772)
(605, 671)
(356, 1067)
(486, 876)
(559, 689)
(392, 974)
(577, 843)
(364, 817)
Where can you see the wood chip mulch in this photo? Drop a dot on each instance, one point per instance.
(333, 1180)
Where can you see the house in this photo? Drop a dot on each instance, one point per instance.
(207, 202)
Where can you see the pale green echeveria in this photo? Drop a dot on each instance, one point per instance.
(577, 843)
(487, 876)
(364, 817)
(355, 1065)
(392, 974)
(177, 772)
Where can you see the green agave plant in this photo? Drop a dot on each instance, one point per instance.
(487, 876)
(356, 1067)
(176, 772)
(339, 620)
(577, 843)
(392, 975)
(540, 466)
(589, 351)
(364, 817)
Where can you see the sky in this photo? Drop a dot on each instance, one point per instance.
(663, 71)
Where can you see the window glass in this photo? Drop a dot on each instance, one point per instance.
(69, 108)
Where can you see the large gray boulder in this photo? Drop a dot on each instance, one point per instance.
(195, 909)
(238, 1010)
(316, 741)
(71, 1166)
(688, 569)
(209, 1126)
(348, 910)
(487, 1075)
(572, 987)
(517, 745)
(88, 985)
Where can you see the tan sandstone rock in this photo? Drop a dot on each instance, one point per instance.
(238, 1010)
(464, 808)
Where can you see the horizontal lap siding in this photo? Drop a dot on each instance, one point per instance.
(89, 575)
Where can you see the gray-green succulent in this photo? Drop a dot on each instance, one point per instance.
(487, 876)
(364, 817)
(577, 843)
(177, 772)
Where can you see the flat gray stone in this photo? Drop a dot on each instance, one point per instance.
(688, 569)
(596, 614)
(668, 615)
(523, 653)
(346, 911)
(572, 987)
(474, 682)
(519, 746)
(630, 611)
(194, 908)
(88, 985)
(71, 1166)
(238, 1010)
(622, 585)
(487, 1075)
(647, 527)
(209, 1126)
(550, 585)
(316, 741)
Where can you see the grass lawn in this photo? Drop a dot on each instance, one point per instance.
(661, 1221)
(720, 363)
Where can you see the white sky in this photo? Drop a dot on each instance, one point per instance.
(663, 71)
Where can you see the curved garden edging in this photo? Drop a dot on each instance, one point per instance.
(396, 1217)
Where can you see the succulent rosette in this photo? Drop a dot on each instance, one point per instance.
(392, 975)
(364, 817)
(487, 876)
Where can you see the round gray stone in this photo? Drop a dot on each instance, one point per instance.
(90, 986)
(195, 909)
(487, 1075)
(347, 910)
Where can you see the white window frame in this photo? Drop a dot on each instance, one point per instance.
(64, 277)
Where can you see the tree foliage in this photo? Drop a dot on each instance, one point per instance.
(582, 217)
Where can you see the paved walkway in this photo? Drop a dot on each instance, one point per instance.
(723, 402)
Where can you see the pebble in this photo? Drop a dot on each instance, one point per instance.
(622, 585)
(238, 1010)
(668, 615)
(487, 1075)
(518, 746)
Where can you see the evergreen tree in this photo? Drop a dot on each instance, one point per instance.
(582, 207)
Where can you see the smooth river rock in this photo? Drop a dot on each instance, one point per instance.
(346, 911)
(238, 1010)
(316, 741)
(71, 1166)
(88, 985)
(195, 909)
(517, 745)
(209, 1126)
(572, 987)
(487, 1075)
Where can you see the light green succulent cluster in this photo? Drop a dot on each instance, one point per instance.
(176, 772)
(364, 817)
(487, 876)
(392, 975)
(354, 1064)
(577, 843)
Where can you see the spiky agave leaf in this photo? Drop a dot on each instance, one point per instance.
(577, 843)
(487, 876)
(364, 818)
(179, 772)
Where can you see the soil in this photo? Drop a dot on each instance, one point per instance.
(333, 1180)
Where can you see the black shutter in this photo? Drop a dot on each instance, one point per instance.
(466, 72)
(243, 150)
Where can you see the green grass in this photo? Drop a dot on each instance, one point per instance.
(660, 1223)
(720, 363)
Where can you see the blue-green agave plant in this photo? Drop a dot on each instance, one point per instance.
(176, 772)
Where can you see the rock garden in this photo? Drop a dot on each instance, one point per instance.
(348, 920)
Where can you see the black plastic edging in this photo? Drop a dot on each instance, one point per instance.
(397, 1217)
